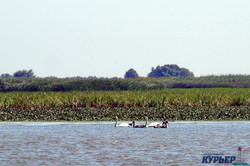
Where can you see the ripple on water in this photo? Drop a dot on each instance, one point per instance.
(102, 144)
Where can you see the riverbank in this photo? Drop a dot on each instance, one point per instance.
(109, 122)
(181, 113)
(171, 104)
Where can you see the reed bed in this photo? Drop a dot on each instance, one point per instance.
(172, 104)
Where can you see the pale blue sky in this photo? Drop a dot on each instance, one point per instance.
(105, 38)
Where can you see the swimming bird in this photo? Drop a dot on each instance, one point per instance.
(122, 124)
(163, 125)
(140, 126)
(154, 124)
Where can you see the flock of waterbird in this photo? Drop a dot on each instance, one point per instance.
(164, 124)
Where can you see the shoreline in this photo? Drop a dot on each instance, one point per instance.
(107, 122)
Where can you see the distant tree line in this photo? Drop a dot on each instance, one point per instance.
(20, 74)
(162, 71)
(25, 80)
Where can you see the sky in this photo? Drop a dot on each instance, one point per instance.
(105, 38)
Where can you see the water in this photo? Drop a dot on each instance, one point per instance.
(62, 143)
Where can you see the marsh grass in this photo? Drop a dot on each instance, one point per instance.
(174, 104)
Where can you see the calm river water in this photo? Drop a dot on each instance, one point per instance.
(100, 143)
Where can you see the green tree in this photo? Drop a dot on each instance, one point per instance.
(24, 73)
(170, 71)
(5, 75)
(131, 73)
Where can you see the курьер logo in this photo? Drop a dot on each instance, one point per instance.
(217, 158)
(213, 158)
